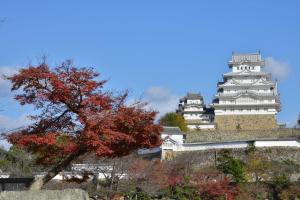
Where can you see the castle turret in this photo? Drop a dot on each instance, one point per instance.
(194, 111)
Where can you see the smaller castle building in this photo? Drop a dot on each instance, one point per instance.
(194, 111)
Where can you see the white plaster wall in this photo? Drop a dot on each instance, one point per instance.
(247, 101)
(194, 101)
(242, 67)
(245, 112)
(69, 175)
(202, 126)
(199, 147)
(293, 143)
(192, 127)
(233, 145)
(192, 116)
(193, 109)
(207, 126)
(178, 138)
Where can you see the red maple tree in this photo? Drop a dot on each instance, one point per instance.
(76, 116)
(214, 185)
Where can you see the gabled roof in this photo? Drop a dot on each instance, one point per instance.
(192, 96)
(172, 130)
(255, 95)
(168, 138)
(247, 73)
(233, 82)
(250, 58)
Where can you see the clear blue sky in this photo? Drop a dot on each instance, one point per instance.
(153, 46)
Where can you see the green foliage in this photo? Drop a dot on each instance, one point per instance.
(280, 181)
(250, 150)
(184, 192)
(174, 119)
(295, 167)
(230, 165)
(137, 193)
(16, 162)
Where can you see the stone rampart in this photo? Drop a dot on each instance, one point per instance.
(246, 122)
(208, 157)
(70, 194)
(240, 135)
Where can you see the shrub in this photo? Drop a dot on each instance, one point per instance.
(292, 192)
(182, 192)
(221, 189)
(232, 166)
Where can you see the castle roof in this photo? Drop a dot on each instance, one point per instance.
(192, 96)
(246, 73)
(173, 130)
(240, 58)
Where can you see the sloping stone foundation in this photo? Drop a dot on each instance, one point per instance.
(246, 122)
(70, 194)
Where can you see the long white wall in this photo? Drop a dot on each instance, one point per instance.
(208, 146)
(279, 143)
(294, 143)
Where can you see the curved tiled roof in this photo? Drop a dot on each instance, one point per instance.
(252, 58)
(192, 96)
(174, 130)
(246, 73)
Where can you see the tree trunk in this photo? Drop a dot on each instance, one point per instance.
(40, 182)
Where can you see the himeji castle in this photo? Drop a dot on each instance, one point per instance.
(194, 111)
(247, 98)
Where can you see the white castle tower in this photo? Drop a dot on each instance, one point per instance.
(247, 98)
(195, 113)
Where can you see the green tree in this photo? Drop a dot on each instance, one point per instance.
(174, 119)
(232, 166)
(16, 162)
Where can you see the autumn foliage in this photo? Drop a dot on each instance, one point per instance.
(178, 184)
(76, 115)
(214, 186)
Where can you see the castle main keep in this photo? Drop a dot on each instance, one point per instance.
(247, 98)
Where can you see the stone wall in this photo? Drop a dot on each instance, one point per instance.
(239, 135)
(208, 157)
(246, 122)
(70, 194)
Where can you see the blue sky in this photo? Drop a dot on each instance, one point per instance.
(157, 49)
